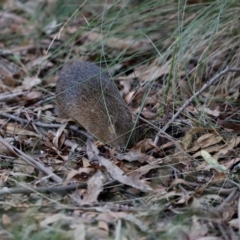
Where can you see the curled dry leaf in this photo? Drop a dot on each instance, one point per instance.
(188, 138)
(138, 173)
(92, 150)
(76, 174)
(137, 152)
(220, 150)
(208, 139)
(227, 147)
(95, 187)
(13, 129)
(205, 141)
(57, 140)
(32, 96)
(30, 82)
(117, 174)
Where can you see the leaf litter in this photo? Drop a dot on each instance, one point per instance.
(184, 186)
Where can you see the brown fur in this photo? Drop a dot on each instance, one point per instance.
(87, 95)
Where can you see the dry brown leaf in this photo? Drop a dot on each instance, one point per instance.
(31, 96)
(104, 226)
(74, 173)
(129, 156)
(92, 150)
(85, 162)
(117, 174)
(116, 43)
(148, 73)
(12, 129)
(228, 147)
(208, 139)
(30, 82)
(138, 173)
(56, 140)
(95, 187)
(220, 150)
(188, 138)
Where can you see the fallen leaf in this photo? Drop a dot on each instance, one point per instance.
(30, 82)
(95, 187)
(117, 174)
(12, 129)
(213, 162)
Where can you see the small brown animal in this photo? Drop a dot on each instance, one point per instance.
(87, 95)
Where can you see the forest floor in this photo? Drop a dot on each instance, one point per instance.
(177, 66)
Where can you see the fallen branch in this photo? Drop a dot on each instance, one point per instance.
(205, 86)
(57, 189)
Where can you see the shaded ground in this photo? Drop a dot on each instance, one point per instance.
(183, 184)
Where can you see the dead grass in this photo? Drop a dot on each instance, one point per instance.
(56, 185)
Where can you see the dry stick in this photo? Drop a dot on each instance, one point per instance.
(31, 161)
(232, 196)
(205, 86)
(8, 97)
(40, 124)
(57, 189)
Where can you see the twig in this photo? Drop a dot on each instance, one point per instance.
(21, 120)
(57, 189)
(40, 124)
(205, 86)
(31, 161)
(231, 197)
(10, 96)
